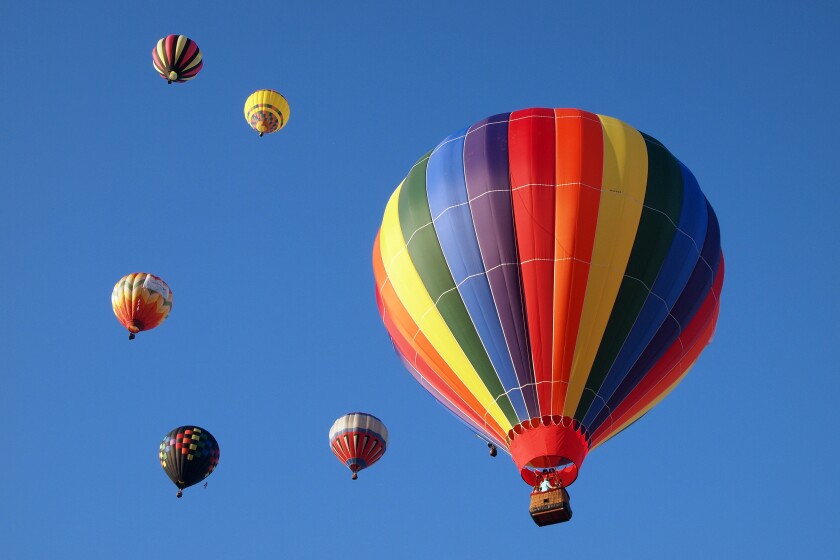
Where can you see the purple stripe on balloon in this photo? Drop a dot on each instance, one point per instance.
(453, 223)
(488, 187)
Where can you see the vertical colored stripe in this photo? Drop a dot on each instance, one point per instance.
(657, 226)
(453, 224)
(670, 370)
(416, 298)
(532, 153)
(488, 187)
(170, 50)
(427, 256)
(674, 273)
(625, 170)
(178, 55)
(415, 347)
(679, 317)
(579, 171)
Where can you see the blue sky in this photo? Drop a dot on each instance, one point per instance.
(266, 243)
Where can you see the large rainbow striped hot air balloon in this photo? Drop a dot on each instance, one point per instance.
(549, 275)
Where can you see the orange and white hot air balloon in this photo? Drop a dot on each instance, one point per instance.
(141, 301)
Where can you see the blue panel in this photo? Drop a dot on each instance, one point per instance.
(689, 302)
(447, 193)
(673, 276)
(487, 172)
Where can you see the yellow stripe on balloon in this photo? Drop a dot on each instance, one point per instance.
(194, 63)
(179, 48)
(622, 196)
(419, 305)
(161, 51)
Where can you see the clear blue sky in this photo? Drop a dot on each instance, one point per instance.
(266, 244)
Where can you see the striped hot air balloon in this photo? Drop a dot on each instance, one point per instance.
(141, 302)
(177, 58)
(549, 275)
(358, 440)
(266, 111)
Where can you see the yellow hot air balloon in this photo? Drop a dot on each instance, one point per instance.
(266, 111)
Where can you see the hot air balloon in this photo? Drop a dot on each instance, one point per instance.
(358, 440)
(141, 302)
(549, 275)
(266, 111)
(188, 454)
(177, 58)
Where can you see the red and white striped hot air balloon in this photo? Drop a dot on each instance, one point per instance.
(358, 440)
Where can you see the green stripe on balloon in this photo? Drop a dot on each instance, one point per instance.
(427, 256)
(653, 237)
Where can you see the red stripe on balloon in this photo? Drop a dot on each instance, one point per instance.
(579, 173)
(169, 48)
(532, 154)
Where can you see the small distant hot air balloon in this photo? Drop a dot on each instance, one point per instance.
(141, 302)
(177, 58)
(358, 440)
(188, 454)
(266, 111)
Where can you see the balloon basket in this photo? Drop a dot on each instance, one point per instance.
(550, 507)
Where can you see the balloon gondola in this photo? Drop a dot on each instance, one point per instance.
(358, 440)
(141, 302)
(188, 454)
(548, 275)
(550, 501)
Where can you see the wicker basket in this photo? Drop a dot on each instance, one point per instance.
(550, 507)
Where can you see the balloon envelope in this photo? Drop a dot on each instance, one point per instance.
(141, 301)
(177, 58)
(266, 111)
(358, 440)
(188, 454)
(548, 275)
